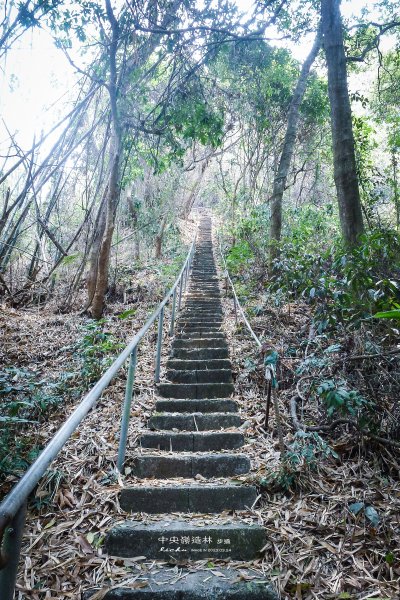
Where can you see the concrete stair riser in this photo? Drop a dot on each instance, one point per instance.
(193, 585)
(201, 354)
(209, 342)
(154, 541)
(199, 376)
(187, 499)
(215, 363)
(188, 466)
(194, 422)
(198, 390)
(192, 442)
(192, 406)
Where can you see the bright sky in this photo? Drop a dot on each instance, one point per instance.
(37, 75)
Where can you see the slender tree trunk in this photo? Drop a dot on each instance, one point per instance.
(396, 188)
(113, 186)
(280, 179)
(194, 191)
(99, 228)
(134, 220)
(342, 129)
(159, 236)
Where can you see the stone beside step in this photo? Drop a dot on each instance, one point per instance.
(189, 465)
(181, 540)
(188, 498)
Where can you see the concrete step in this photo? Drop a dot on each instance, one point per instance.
(203, 312)
(149, 466)
(199, 312)
(207, 295)
(193, 585)
(194, 406)
(206, 498)
(198, 390)
(200, 376)
(199, 354)
(201, 332)
(178, 540)
(190, 328)
(206, 308)
(192, 442)
(199, 315)
(202, 342)
(214, 363)
(188, 335)
(194, 421)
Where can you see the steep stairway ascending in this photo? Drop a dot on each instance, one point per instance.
(193, 435)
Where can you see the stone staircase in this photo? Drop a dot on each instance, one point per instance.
(193, 435)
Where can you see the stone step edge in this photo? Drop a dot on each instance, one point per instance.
(187, 499)
(162, 539)
(229, 584)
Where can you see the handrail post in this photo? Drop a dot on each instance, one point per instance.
(127, 410)
(172, 326)
(11, 549)
(159, 344)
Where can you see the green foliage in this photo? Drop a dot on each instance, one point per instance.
(389, 314)
(340, 400)
(343, 285)
(23, 398)
(303, 455)
(96, 350)
(26, 401)
(238, 257)
(369, 176)
(193, 119)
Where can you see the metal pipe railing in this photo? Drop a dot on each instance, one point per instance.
(236, 302)
(12, 508)
(270, 372)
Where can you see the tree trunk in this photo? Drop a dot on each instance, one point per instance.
(345, 171)
(280, 179)
(99, 286)
(91, 278)
(159, 237)
(134, 220)
(396, 188)
(194, 191)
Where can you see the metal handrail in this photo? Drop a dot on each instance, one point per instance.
(13, 507)
(270, 373)
(236, 301)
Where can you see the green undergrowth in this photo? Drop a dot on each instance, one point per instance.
(26, 402)
(339, 302)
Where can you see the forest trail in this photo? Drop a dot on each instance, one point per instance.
(194, 434)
